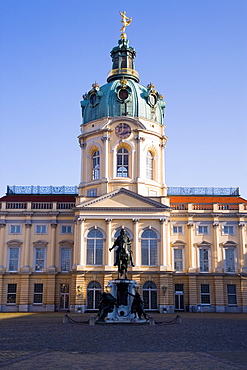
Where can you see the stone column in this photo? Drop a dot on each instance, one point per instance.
(192, 291)
(52, 248)
(242, 263)
(2, 254)
(108, 255)
(162, 253)
(105, 140)
(76, 251)
(83, 173)
(50, 292)
(219, 293)
(162, 165)
(138, 155)
(135, 244)
(26, 248)
(82, 248)
(244, 293)
(24, 292)
(217, 258)
(189, 249)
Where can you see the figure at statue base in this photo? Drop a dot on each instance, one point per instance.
(123, 254)
(106, 305)
(137, 306)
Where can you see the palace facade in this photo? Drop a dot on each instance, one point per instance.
(189, 244)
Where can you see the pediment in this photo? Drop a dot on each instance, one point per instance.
(123, 198)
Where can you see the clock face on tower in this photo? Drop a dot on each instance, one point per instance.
(123, 130)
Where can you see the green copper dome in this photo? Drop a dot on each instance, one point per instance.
(123, 95)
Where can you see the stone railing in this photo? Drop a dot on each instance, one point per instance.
(36, 205)
(212, 207)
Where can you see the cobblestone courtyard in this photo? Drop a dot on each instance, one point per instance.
(201, 341)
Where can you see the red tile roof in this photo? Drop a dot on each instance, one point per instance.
(206, 199)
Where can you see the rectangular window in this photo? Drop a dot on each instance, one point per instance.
(178, 259)
(228, 230)
(203, 230)
(65, 229)
(230, 260)
(92, 192)
(204, 259)
(15, 229)
(177, 229)
(231, 294)
(11, 293)
(38, 294)
(41, 229)
(39, 259)
(13, 259)
(65, 259)
(205, 294)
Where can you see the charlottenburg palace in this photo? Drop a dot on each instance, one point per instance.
(189, 244)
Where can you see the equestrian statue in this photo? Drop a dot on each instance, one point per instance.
(123, 254)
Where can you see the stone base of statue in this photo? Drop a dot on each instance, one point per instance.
(124, 291)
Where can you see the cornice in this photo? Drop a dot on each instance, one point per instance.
(122, 209)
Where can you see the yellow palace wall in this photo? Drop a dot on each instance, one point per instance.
(163, 275)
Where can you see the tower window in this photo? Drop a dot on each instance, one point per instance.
(122, 163)
(96, 165)
(149, 166)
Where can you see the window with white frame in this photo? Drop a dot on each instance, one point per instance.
(228, 230)
(94, 292)
(150, 295)
(149, 165)
(39, 259)
(204, 259)
(230, 259)
(66, 229)
(178, 259)
(203, 230)
(177, 229)
(205, 294)
(92, 192)
(38, 294)
(231, 295)
(13, 263)
(65, 259)
(149, 248)
(122, 162)
(41, 229)
(95, 247)
(11, 293)
(96, 165)
(15, 229)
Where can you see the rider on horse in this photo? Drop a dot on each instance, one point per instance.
(124, 246)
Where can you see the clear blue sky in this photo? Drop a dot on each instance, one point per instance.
(194, 51)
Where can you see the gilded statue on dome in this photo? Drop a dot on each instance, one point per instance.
(126, 22)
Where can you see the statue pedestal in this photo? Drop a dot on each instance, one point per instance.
(120, 288)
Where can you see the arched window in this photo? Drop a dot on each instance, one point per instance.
(95, 247)
(149, 291)
(122, 163)
(149, 166)
(96, 165)
(94, 291)
(149, 248)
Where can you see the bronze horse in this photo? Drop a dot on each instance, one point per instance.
(123, 254)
